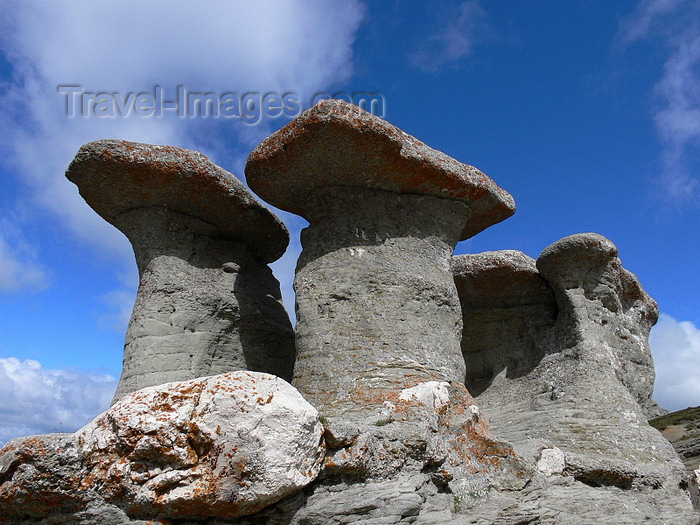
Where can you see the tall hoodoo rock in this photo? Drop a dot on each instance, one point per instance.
(207, 301)
(603, 302)
(378, 317)
(569, 385)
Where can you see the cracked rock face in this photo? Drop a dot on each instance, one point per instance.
(207, 302)
(216, 447)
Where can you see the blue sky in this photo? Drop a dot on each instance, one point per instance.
(587, 112)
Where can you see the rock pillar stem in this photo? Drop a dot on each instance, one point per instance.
(205, 306)
(207, 301)
(377, 308)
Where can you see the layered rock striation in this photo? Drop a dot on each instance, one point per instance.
(568, 378)
(207, 301)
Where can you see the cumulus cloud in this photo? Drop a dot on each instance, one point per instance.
(677, 111)
(296, 46)
(130, 47)
(461, 28)
(676, 349)
(38, 401)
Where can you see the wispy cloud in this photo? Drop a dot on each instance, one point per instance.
(38, 401)
(676, 349)
(677, 112)
(645, 18)
(460, 28)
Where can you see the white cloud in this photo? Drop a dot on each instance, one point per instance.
(132, 46)
(645, 16)
(19, 267)
(460, 29)
(676, 349)
(38, 401)
(677, 115)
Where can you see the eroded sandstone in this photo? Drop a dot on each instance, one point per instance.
(569, 384)
(377, 308)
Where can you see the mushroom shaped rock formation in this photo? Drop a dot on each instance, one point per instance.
(376, 304)
(601, 301)
(377, 308)
(207, 301)
(573, 381)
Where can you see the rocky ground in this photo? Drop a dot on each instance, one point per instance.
(682, 429)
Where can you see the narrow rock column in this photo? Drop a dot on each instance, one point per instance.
(378, 317)
(600, 301)
(207, 301)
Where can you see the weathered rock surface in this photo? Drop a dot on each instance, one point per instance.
(216, 447)
(582, 387)
(694, 487)
(506, 308)
(338, 144)
(207, 302)
(556, 352)
(377, 308)
(599, 300)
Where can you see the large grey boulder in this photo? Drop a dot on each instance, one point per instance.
(377, 308)
(216, 447)
(569, 384)
(207, 301)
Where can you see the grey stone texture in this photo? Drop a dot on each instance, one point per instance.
(207, 301)
(506, 308)
(377, 308)
(390, 329)
(575, 375)
(601, 301)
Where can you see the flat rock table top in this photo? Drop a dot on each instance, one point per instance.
(338, 144)
(115, 176)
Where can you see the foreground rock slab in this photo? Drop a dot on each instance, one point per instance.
(207, 302)
(216, 447)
